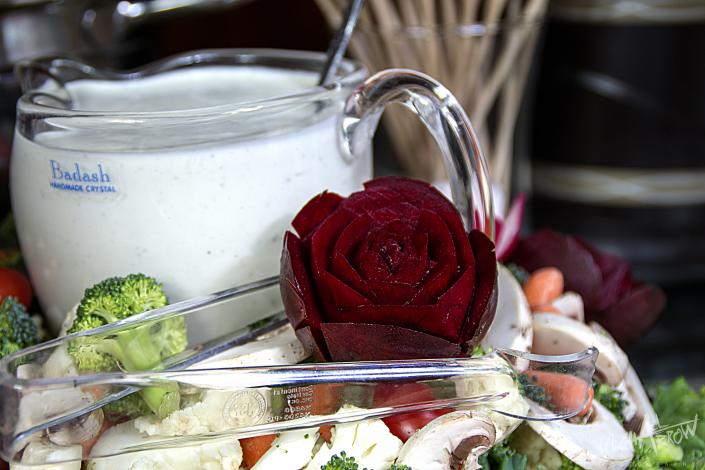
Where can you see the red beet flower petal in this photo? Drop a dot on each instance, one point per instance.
(315, 212)
(322, 240)
(295, 285)
(425, 196)
(484, 301)
(335, 294)
(313, 342)
(370, 342)
(443, 252)
(549, 248)
(633, 315)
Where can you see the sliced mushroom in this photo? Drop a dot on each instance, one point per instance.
(630, 410)
(37, 407)
(42, 454)
(460, 436)
(639, 414)
(645, 412)
(79, 430)
(601, 444)
(511, 327)
(570, 304)
(556, 334)
(29, 371)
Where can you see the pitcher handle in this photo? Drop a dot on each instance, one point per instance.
(450, 126)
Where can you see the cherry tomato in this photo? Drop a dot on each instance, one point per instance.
(404, 426)
(15, 284)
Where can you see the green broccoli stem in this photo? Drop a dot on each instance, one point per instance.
(162, 400)
(136, 350)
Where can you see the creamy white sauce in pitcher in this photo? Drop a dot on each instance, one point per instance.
(199, 218)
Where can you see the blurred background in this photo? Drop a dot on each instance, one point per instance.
(593, 108)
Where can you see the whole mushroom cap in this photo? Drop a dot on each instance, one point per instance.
(454, 437)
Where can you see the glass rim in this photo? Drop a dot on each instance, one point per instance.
(351, 73)
(464, 30)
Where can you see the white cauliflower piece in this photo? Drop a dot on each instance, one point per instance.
(200, 418)
(281, 347)
(68, 320)
(59, 364)
(290, 449)
(370, 442)
(220, 455)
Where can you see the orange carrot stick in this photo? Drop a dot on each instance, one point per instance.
(565, 392)
(253, 448)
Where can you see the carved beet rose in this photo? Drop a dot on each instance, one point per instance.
(387, 273)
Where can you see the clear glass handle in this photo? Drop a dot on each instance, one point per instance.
(447, 122)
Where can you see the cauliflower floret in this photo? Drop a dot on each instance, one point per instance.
(200, 418)
(291, 449)
(279, 348)
(59, 364)
(220, 455)
(370, 442)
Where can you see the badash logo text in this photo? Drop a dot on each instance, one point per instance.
(77, 179)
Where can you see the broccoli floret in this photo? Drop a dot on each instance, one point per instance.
(532, 390)
(519, 273)
(478, 351)
(650, 453)
(611, 399)
(17, 329)
(567, 464)
(131, 407)
(341, 462)
(503, 457)
(399, 467)
(692, 460)
(140, 348)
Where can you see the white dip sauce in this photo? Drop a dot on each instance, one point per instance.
(199, 217)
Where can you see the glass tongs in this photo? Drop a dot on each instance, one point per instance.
(44, 398)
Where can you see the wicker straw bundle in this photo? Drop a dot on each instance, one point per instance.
(480, 49)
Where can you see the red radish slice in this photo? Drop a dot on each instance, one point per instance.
(508, 229)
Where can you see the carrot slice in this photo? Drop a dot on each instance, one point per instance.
(325, 432)
(253, 448)
(326, 400)
(565, 392)
(88, 445)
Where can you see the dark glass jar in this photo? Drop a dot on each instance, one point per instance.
(619, 131)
